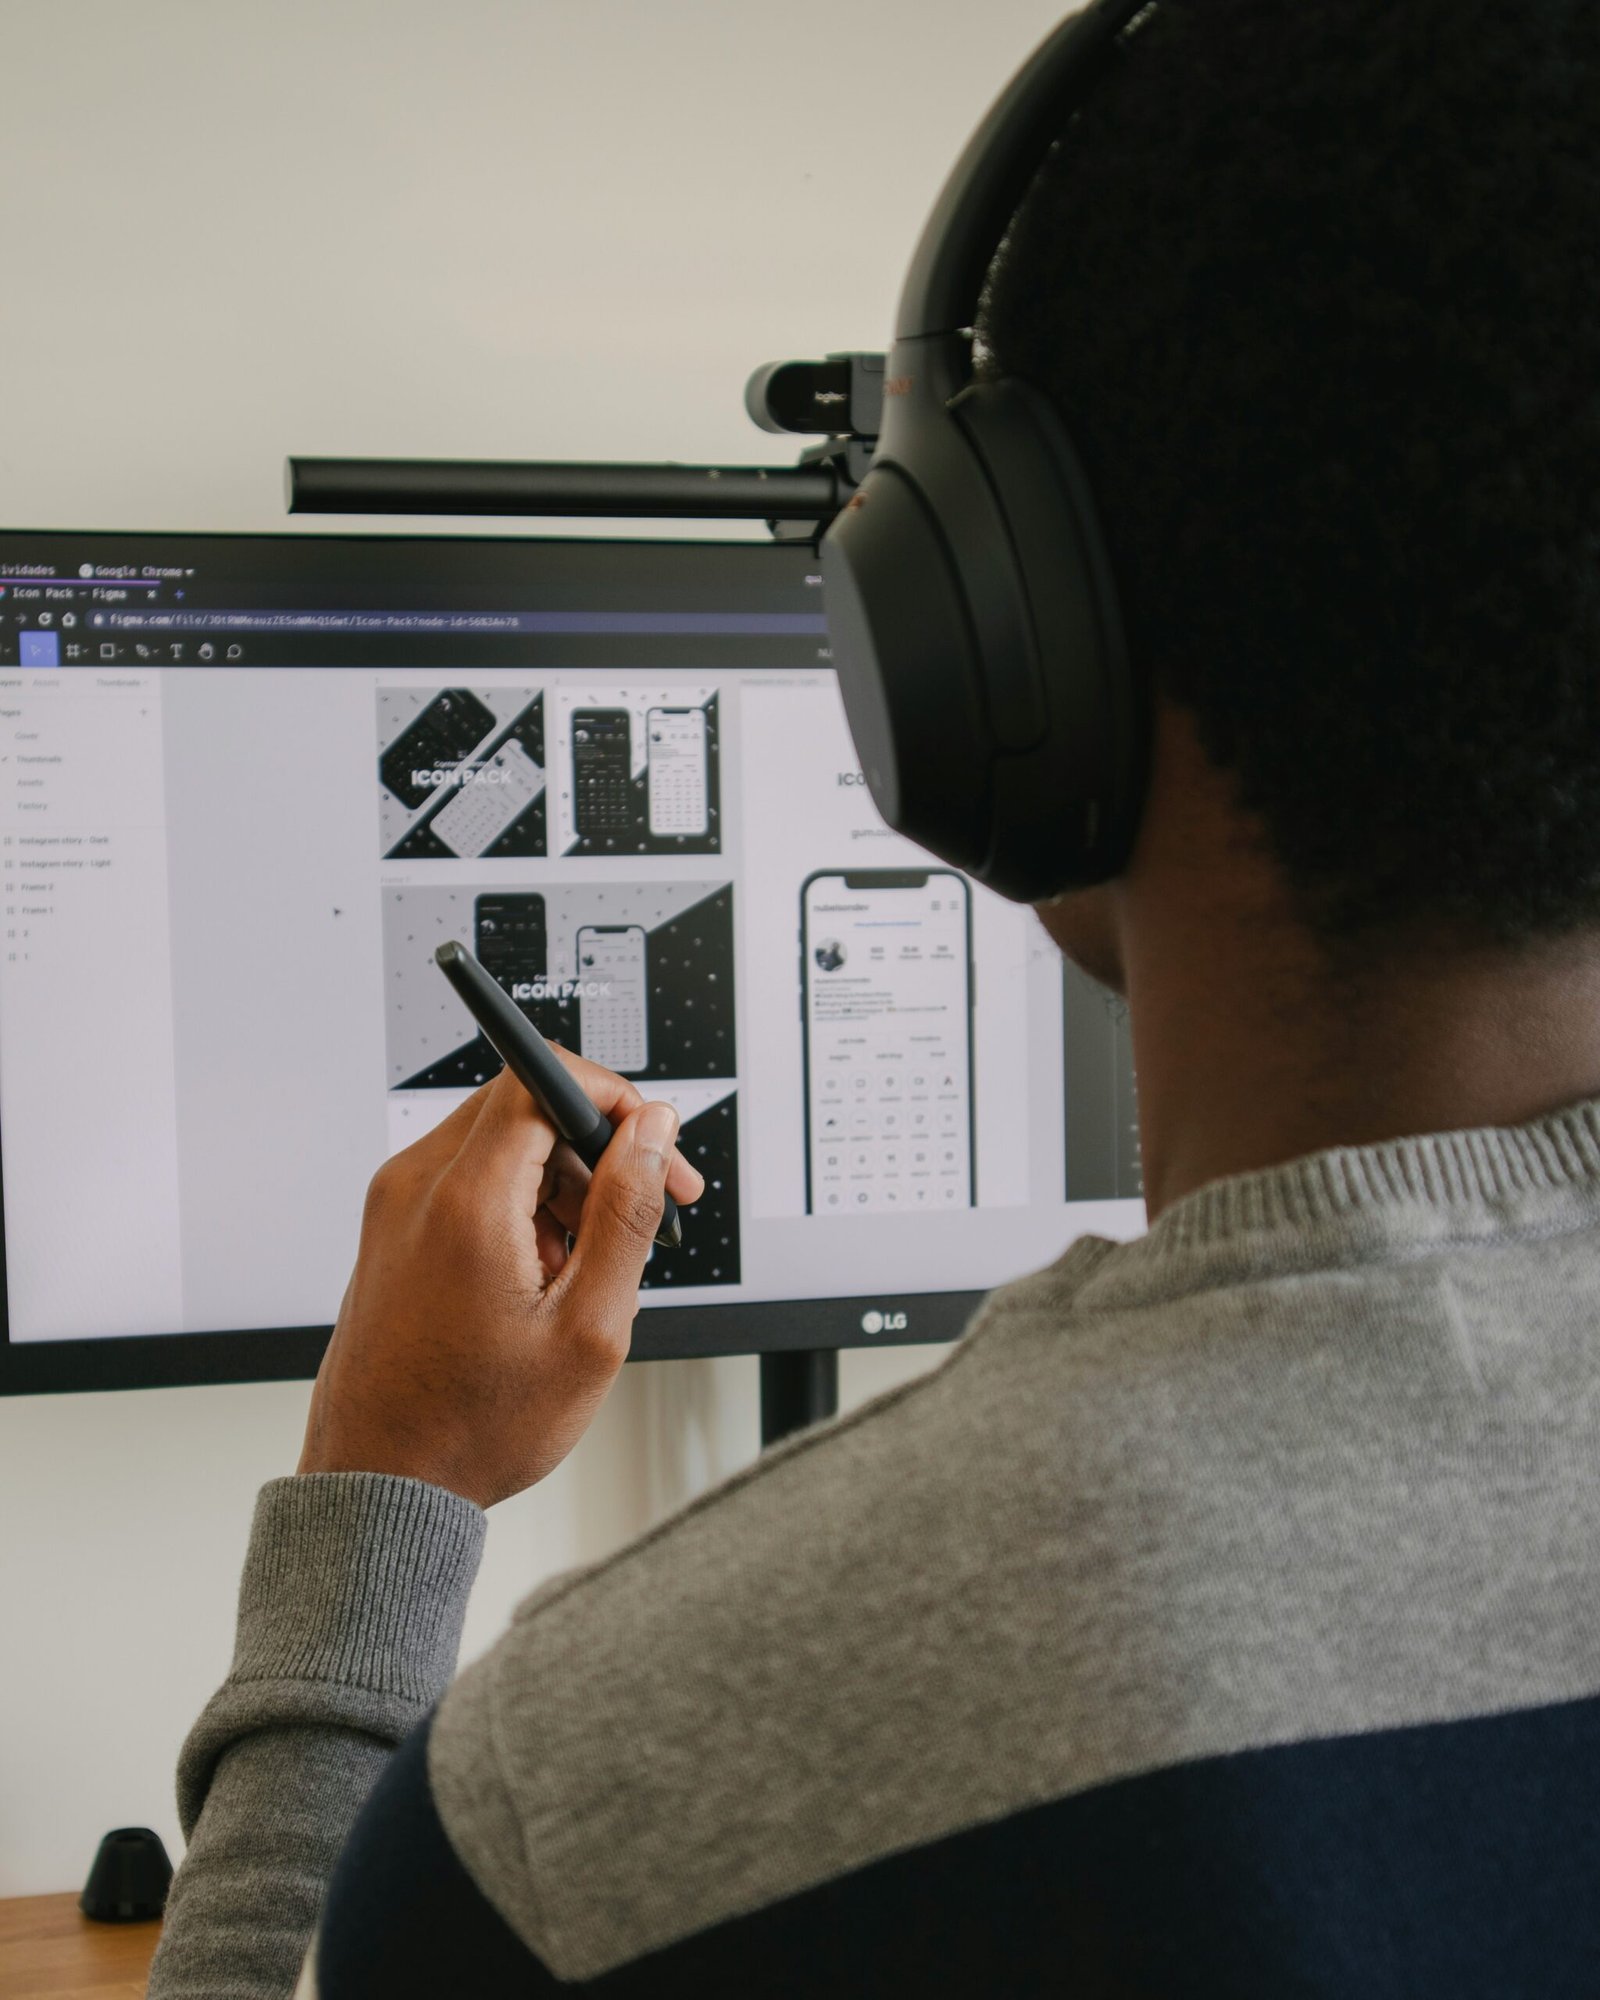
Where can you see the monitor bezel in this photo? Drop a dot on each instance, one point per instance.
(281, 1354)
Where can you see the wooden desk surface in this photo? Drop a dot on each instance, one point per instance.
(48, 1947)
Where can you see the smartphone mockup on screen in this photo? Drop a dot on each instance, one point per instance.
(676, 739)
(509, 941)
(886, 1006)
(602, 770)
(422, 757)
(487, 800)
(613, 1027)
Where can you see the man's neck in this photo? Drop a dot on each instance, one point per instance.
(1249, 1055)
(1253, 1045)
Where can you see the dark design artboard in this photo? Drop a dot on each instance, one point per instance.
(611, 806)
(437, 736)
(689, 976)
(709, 1253)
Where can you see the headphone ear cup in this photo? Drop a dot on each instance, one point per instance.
(1066, 811)
(909, 669)
(979, 646)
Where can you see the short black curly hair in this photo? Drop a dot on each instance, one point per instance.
(1317, 290)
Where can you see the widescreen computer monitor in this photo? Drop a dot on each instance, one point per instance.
(247, 787)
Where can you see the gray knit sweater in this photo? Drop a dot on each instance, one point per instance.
(1311, 1463)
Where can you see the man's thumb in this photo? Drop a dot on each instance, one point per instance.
(621, 1214)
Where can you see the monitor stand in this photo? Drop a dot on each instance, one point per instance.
(799, 1386)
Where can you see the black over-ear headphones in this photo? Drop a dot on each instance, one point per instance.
(971, 607)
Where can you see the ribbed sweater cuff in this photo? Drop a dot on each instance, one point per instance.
(357, 1578)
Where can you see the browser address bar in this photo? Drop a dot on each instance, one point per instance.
(785, 623)
(308, 621)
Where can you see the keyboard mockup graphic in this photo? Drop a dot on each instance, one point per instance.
(488, 799)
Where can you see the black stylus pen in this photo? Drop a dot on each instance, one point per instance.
(535, 1065)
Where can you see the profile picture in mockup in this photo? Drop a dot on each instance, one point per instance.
(829, 954)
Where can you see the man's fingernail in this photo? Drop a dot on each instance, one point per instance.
(657, 1128)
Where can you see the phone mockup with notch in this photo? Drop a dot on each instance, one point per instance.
(417, 762)
(602, 771)
(676, 767)
(509, 940)
(886, 1008)
(488, 798)
(612, 996)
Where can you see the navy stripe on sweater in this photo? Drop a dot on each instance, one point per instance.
(1457, 1859)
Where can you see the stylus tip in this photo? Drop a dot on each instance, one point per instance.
(447, 954)
(670, 1234)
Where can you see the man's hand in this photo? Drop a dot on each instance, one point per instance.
(473, 1349)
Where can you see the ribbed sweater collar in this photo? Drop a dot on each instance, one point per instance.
(1358, 1205)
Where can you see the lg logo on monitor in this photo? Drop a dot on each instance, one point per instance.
(877, 1322)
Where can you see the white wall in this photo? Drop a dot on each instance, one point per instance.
(231, 229)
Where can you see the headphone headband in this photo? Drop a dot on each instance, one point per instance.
(987, 183)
